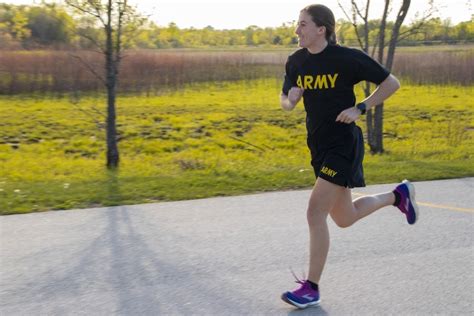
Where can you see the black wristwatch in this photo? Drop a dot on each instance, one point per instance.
(362, 107)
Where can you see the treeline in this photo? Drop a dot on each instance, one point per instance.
(53, 25)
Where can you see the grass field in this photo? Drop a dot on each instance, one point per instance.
(214, 139)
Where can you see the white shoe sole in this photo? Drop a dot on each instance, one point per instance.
(411, 190)
(301, 306)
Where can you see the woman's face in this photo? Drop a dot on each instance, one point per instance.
(309, 34)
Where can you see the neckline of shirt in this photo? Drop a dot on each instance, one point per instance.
(325, 49)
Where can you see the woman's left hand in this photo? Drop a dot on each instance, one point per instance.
(348, 115)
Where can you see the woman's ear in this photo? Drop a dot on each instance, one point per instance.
(322, 30)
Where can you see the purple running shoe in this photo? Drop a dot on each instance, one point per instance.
(303, 296)
(407, 203)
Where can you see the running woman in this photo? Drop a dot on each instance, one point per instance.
(324, 74)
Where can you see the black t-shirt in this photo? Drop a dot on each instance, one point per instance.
(328, 79)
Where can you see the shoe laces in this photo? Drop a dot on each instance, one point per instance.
(298, 280)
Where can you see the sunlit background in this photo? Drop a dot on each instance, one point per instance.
(238, 14)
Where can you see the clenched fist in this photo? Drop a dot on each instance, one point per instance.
(295, 94)
(348, 115)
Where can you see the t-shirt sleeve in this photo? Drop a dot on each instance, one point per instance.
(369, 69)
(290, 77)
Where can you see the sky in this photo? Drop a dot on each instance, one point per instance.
(238, 14)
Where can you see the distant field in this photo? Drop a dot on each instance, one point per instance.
(210, 139)
(435, 48)
(155, 71)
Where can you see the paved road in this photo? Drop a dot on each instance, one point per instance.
(231, 256)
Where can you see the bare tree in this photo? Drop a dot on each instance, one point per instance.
(375, 117)
(115, 18)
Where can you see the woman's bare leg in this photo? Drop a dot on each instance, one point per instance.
(346, 212)
(329, 198)
(322, 201)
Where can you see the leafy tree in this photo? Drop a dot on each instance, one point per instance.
(13, 24)
(19, 28)
(50, 24)
(250, 38)
(465, 30)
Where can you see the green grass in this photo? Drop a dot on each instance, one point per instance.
(209, 140)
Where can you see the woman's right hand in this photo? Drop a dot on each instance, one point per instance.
(295, 94)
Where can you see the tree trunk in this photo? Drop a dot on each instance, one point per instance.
(396, 32)
(375, 121)
(112, 148)
(377, 146)
(383, 25)
(378, 117)
(369, 118)
(365, 48)
(114, 17)
(111, 82)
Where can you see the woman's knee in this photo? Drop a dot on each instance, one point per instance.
(315, 215)
(342, 219)
(323, 199)
(343, 222)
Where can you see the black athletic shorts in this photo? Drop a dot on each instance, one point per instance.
(340, 162)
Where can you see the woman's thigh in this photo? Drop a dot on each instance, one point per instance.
(326, 196)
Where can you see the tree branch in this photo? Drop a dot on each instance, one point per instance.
(402, 13)
(367, 10)
(97, 5)
(80, 8)
(92, 8)
(381, 37)
(419, 25)
(376, 43)
(344, 11)
(354, 24)
(118, 39)
(356, 9)
(99, 124)
(93, 41)
(89, 67)
(96, 110)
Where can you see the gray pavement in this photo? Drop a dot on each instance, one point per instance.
(232, 256)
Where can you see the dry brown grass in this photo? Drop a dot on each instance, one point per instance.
(153, 71)
(444, 67)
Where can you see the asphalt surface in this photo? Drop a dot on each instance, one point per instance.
(232, 256)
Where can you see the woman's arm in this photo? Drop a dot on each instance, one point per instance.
(288, 102)
(382, 93)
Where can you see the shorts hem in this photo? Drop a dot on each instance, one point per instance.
(332, 180)
(341, 182)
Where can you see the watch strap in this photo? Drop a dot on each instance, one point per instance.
(362, 107)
